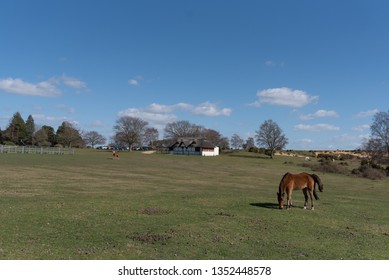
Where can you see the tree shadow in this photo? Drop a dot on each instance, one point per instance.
(267, 205)
(249, 156)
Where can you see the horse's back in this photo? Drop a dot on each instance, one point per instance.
(300, 181)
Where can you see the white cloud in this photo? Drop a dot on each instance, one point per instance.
(159, 115)
(133, 82)
(47, 88)
(160, 108)
(156, 119)
(319, 114)
(207, 109)
(210, 110)
(18, 86)
(284, 97)
(316, 127)
(366, 114)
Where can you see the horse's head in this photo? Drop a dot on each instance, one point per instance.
(280, 200)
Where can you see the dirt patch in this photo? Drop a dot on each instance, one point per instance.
(148, 152)
(150, 238)
(154, 211)
(223, 214)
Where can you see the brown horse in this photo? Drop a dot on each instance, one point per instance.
(302, 181)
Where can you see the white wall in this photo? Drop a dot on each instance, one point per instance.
(215, 152)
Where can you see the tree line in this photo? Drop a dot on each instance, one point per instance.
(132, 131)
(26, 133)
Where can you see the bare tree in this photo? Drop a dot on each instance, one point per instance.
(182, 129)
(375, 149)
(93, 138)
(271, 137)
(150, 136)
(213, 137)
(380, 129)
(249, 143)
(129, 130)
(236, 141)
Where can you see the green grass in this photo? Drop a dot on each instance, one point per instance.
(88, 206)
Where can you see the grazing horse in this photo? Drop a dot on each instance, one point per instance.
(302, 181)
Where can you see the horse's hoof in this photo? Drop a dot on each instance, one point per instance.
(312, 208)
(305, 207)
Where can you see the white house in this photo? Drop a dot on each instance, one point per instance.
(194, 147)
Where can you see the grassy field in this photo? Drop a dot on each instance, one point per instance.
(88, 206)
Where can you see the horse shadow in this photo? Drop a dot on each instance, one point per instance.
(267, 205)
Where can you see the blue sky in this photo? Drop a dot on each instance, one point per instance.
(320, 69)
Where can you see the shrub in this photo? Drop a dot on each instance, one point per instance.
(370, 170)
(327, 166)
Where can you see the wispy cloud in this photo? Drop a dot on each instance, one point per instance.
(272, 63)
(73, 82)
(316, 127)
(366, 114)
(67, 109)
(320, 114)
(49, 119)
(361, 128)
(49, 88)
(284, 97)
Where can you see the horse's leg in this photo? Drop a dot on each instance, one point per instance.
(289, 202)
(311, 196)
(305, 191)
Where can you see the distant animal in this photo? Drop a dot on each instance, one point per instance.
(302, 181)
(115, 154)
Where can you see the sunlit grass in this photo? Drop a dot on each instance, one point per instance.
(89, 206)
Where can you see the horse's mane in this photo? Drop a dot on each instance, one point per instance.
(282, 180)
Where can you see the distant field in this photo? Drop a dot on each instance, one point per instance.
(89, 206)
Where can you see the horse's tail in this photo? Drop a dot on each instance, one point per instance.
(315, 194)
(319, 183)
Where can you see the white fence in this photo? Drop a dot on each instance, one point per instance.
(5, 149)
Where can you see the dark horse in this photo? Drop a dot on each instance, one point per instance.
(302, 181)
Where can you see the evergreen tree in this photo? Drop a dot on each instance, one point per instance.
(30, 130)
(51, 137)
(16, 131)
